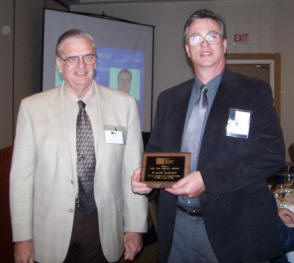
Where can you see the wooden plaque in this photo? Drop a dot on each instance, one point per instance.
(161, 170)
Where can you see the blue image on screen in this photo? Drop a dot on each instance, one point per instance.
(113, 61)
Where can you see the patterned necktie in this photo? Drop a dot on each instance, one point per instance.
(86, 161)
(191, 139)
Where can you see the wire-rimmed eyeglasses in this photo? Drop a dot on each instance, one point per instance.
(211, 37)
(71, 61)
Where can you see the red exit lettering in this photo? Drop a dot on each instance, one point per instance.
(243, 37)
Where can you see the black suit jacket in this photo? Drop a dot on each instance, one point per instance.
(237, 206)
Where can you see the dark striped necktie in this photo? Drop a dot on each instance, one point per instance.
(86, 161)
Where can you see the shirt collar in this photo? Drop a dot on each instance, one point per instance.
(71, 99)
(212, 83)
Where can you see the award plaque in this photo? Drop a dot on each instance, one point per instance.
(161, 170)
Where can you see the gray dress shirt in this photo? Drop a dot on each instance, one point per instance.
(212, 87)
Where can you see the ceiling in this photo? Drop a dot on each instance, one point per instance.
(77, 2)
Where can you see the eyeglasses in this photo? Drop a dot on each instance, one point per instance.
(211, 37)
(89, 59)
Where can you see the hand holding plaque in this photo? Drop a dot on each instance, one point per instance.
(161, 170)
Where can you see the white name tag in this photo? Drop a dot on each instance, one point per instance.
(238, 123)
(114, 137)
(113, 134)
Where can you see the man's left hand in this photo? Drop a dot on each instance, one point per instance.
(191, 185)
(133, 245)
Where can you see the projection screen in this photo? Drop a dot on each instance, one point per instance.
(121, 47)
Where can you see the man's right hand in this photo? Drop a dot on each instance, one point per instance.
(137, 186)
(191, 185)
(24, 252)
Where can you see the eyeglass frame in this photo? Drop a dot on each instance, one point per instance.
(79, 58)
(205, 38)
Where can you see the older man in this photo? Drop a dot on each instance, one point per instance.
(223, 210)
(75, 149)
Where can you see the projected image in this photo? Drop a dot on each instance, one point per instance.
(122, 69)
(126, 80)
(112, 60)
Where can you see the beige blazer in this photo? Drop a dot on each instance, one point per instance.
(43, 188)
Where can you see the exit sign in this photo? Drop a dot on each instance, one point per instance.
(240, 37)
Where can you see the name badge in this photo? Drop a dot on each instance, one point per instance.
(238, 123)
(114, 135)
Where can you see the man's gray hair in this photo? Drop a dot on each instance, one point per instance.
(72, 33)
(205, 13)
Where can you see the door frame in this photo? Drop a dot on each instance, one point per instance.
(274, 62)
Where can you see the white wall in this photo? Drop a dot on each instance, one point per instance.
(27, 49)
(20, 57)
(265, 21)
(6, 72)
(284, 43)
(170, 65)
(21, 53)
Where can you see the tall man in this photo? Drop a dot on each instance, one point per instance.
(222, 211)
(74, 152)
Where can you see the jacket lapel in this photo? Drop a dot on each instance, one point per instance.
(57, 126)
(217, 119)
(100, 129)
(178, 117)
